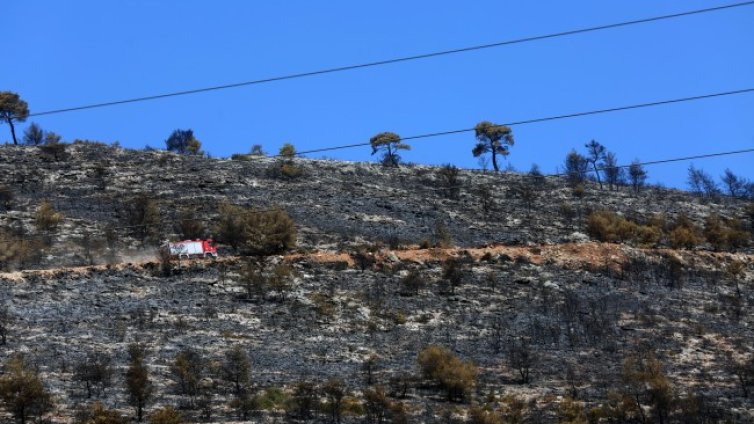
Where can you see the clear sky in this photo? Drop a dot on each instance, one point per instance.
(59, 54)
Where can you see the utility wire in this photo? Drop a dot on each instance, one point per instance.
(398, 59)
(540, 120)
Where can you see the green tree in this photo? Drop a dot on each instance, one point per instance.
(22, 391)
(389, 143)
(286, 167)
(138, 384)
(12, 108)
(492, 138)
(287, 151)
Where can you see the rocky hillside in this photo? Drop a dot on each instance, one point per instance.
(333, 203)
(411, 296)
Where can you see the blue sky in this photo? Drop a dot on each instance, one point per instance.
(71, 53)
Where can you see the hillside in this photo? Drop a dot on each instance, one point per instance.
(499, 269)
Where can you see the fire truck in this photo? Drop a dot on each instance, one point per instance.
(189, 248)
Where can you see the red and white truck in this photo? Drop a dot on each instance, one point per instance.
(189, 248)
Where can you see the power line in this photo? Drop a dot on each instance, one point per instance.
(542, 119)
(397, 60)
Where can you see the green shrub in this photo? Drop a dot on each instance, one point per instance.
(455, 376)
(724, 234)
(47, 218)
(684, 234)
(271, 399)
(479, 415)
(240, 157)
(166, 415)
(607, 226)
(255, 232)
(98, 414)
(22, 392)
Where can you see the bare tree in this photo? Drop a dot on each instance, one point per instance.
(637, 175)
(138, 384)
(614, 175)
(595, 154)
(735, 185)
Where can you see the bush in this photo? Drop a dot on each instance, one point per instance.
(455, 376)
(270, 399)
(412, 283)
(724, 234)
(302, 401)
(448, 179)
(255, 232)
(610, 227)
(47, 218)
(166, 415)
(286, 168)
(98, 414)
(15, 251)
(55, 152)
(142, 214)
(189, 227)
(684, 234)
(479, 415)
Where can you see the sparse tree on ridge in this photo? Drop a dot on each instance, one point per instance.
(702, 183)
(388, 143)
(576, 168)
(183, 142)
(735, 185)
(595, 154)
(12, 108)
(494, 139)
(34, 135)
(614, 175)
(637, 174)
